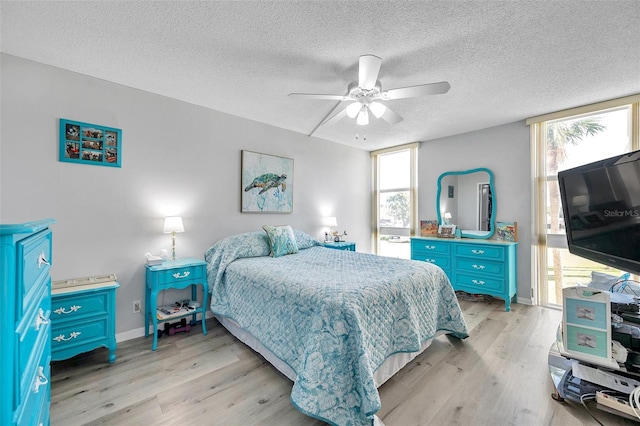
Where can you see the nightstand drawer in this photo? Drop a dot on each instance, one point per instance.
(71, 334)
(184, 273)
(480, 251)
(478, 282)
(78, 306)
(480, 266)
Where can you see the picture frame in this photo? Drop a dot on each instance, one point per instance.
(266, 183)
(507, 231)
(428, 228)
(447, 231)
(92, 144)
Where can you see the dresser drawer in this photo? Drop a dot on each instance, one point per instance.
(35, 368)
(186, 273)
(441, 261)
(480, 251)
(36, 394)
(34, 254)
(479, 266)
(430, 246)
(32, 329)
(78, 306)
(478, 283)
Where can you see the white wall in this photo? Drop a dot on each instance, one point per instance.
(505, 151)
(177, 159)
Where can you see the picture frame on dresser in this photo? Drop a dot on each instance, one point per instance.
(93, 144)
(447, 231)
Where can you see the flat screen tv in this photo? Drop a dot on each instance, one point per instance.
(601, 207)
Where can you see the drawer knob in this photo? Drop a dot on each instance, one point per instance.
(179, 275)
(72, 335)
(42, 260)
(430, 260)
(474, 251)
(72, 309)
(479, 282)
(40, 319)
(430, 247)
(478, 266)
(41, 380)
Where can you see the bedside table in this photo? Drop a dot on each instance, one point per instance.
(83, 317)
(178, 274)
(342, 245)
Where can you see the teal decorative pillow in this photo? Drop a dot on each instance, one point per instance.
(281, 239)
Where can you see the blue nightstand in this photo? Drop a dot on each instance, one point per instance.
(342, 245)
(178, 273)
(83, 316)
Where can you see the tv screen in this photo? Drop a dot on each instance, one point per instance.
(601, 207)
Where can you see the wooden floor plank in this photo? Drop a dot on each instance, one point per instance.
(498, 375)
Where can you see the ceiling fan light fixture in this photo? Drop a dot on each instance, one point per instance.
(363, 116)
(377, 109)
(353, 109)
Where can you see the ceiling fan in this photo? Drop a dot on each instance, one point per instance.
(367, 96)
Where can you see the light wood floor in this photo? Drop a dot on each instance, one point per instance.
(498, 376)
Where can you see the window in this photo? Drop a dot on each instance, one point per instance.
(395, 203)
(562, 141)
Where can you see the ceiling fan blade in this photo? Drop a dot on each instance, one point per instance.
(368, 70)
(419, 90)
(319, 96)
(335, 117)
(391, 117)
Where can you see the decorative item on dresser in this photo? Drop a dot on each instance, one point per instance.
(177, 274)
(25, 354)
(83, 316)
(472, 265)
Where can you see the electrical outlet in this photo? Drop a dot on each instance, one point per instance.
(137, 307)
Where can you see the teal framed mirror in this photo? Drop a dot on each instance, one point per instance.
(467, 199)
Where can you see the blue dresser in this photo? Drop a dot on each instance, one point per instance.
(474, 266)
(25, 346)
(83, 316)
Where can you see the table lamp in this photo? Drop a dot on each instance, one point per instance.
(330, 222)
(447, 218)
(172, 225)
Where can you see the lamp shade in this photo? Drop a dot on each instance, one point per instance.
(447, 215)
(173, 224)
(329, 221)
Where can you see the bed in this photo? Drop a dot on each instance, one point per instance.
(337, 323)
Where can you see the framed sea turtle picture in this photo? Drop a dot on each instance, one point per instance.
(266, 183)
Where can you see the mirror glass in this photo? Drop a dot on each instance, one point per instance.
(466, 199)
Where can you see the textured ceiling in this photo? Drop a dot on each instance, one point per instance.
(505, 61)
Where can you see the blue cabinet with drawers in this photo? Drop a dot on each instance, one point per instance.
(25, 347)
(83, 317)
(474, 266)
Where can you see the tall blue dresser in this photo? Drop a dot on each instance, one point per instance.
(472, 265)
(25, 347)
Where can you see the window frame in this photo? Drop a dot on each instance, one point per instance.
(540, 179)
(412, 189)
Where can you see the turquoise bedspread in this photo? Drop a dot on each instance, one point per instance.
(333, 316)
